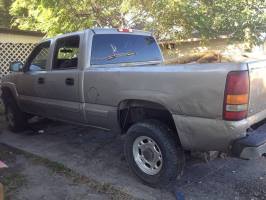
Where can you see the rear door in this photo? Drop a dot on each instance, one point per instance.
(257, 74)
(63, 97)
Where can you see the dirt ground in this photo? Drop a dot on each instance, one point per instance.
(30, 177)
(97, 157)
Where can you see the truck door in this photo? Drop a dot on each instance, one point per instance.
(63, 98)
(30, 84)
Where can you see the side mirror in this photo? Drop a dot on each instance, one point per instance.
(16, 66)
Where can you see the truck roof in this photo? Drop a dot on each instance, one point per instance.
(120, 31)
(103, 31)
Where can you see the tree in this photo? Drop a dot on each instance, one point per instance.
(243, 20)
(5, 17)
(59, 16)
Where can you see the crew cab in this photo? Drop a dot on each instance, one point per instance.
(115, 79)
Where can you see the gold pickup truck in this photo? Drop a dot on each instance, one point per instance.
(114, 79)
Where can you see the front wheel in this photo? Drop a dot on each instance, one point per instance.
(17, 120)
(153, 153)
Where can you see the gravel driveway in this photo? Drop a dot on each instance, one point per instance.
(98, 155)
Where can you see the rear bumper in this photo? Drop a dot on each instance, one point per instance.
(251, 146)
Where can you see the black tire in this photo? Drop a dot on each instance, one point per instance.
(173, 157)
(19, 118)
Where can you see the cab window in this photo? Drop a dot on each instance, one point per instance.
(38, 59)
(66, 53)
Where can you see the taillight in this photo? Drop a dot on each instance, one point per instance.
(236, 96)
(125, 30)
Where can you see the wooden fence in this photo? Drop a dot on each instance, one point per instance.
(10, 52)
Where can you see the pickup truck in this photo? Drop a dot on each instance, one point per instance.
(115, 79)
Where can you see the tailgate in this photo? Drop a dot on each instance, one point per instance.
(257, 98)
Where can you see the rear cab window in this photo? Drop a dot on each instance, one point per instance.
(123, 48)
(66, 53)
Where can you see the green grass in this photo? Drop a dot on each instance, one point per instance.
(62, 170)
(13, 181)
(11, 178)
(76, 178)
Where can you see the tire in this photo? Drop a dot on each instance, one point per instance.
(17, 120)
(157, 167)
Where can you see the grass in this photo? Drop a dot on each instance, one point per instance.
(13, 181)
(11, 178)
(16, 180)
(76, 178)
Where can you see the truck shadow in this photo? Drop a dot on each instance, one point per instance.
(99, 155)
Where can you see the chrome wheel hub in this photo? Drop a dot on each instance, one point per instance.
(147, 155)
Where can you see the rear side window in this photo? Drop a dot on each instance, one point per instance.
(66, 53)
(123, 48)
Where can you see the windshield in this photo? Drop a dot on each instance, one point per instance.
(123, 48)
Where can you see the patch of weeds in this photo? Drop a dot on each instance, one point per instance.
(53, 166)
(106, 188)
(12, 181)
(10, 177)
(75, 177)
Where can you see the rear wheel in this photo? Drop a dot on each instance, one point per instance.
(17, 120)
(153, 153)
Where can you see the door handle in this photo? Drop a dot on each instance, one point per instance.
(69, 81)
(41, 80)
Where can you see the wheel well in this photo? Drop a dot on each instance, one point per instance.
(132, 111)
